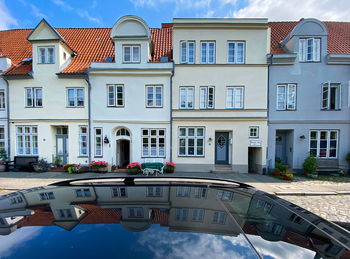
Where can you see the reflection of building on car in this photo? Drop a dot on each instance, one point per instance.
(178, 205)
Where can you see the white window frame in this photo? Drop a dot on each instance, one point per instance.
(310, 44)
(154, 191)
(235, 52)
(287, 100)
(197, 215)
(234, 96)
(132, 47)
(45, 196)
(117, 193)
(205, 58)
(149, 136)
(224, 195)
(96, 137)
(47, 58)
(188, 98)
(183, 191)
(326, 102)
(33, 139)
(200, 192)
(2, 137)
(186, 59)
(328, 148)
(135, 212)
(154, 96)
(219, 217)
(33, 96)
(115, 97)
(251, 132)
(81, 193)
(195, 137)
(204, 97)
(75, 90)
(181, 214)
(81, 141)
(2, 99)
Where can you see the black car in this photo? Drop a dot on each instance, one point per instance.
(161, 217)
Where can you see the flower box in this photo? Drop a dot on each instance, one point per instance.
(134, 168)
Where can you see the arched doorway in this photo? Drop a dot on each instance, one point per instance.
(123, 147)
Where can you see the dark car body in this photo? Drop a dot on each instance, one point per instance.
(161, 217)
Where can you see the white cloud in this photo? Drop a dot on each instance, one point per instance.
(63, 5)
(295, 9)
(36, 12)
(85, 14)
(6, 19)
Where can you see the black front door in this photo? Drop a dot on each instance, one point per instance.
(221, 148)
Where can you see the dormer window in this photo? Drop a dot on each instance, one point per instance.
(309, 50)
(46, 55)
(131, 53)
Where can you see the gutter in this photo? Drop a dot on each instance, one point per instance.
(268, 106)
(171, 113)
(8, 116)
(89, 109)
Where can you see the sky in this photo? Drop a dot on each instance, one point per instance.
(16, 14)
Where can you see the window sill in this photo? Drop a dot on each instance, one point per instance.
(234, 108)
(115, 106)
(75, 106)
(31, 107)
(82, 156)
(289, 110)
(184, 156)
(330, 110)
(159, 107)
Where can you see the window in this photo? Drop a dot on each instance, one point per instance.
(234, 97)
(253, 132)
(65, 213)
(46, 55)
(131, 53)
(27, 140)
(34, 97)
(235, 52)
(75, 97)
(324, 143)
(154, 191)
(183, 191)
(207, 97)
(98, 142)
(187, 52)
(115, 95)
(186, 97)
(46, 196)
(264, 206)
(309, 50)
(83, 140)
(83, 193)
(181, 214)
(123, 132)
(2, 137)
(153, 142)
(224, 195)
(197, 214)
(200, 192)
(331, 96)
(191, 141)
(286, 97)
(219, 217)
(119, 192)
(207, 52)
(2, 99)
(135, 212)
(154, 96)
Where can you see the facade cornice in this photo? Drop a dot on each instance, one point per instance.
(219, 110)
(263, 118)
(221, 65)
(281, 59)
(131, 121)
(47, 120)
(338, 59)
(310, 122)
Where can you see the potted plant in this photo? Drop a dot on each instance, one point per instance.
(74, 169)
(98, 166)
(287, 176)
(3, 159)
(57, 161)
(42, 166)
(280, 169)
(169, 167)
(134, 168)
(309, 166)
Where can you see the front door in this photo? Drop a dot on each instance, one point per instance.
(62, 148)
(123, 152)
(221, 147)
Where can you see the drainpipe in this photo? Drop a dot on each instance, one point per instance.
(171, 113)
(268, 104)
(89, 109)
(8, 116)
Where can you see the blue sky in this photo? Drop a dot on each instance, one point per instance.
(104, 13)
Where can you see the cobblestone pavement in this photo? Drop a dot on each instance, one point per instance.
(331, 207)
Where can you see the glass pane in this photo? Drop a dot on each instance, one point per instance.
(71, 97)
(183, 52)
(161, 132)
(98, 131)
(190, 52)
(29, 97)
(80, 97)
(333, 153)
(145, 132)
(127, 54)
(153, 132)
(313, 134)
(136, 54)
(200, 132)
(240, 52)
(204, 52)
(38, 98)
(182, 98)
(190, 131)
(158, 96)
(51, 55)
(182, 132)
(231, 51)
(150, 96)
(111, 95)
(190, 97)
(211, 52)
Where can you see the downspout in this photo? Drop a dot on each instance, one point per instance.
(8, 116)
(89, 109)
(268, 105)
(171, 113)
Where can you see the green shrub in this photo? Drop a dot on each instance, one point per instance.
(57, 161)
(281, 168)
(309, 164)
(3, 155)
(42, 166)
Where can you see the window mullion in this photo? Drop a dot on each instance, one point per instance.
(328, 143)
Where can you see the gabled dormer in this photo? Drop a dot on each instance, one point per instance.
(51, 53)
(132, 41)
(308, 40)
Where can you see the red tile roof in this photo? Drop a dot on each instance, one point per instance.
(90, 44)
(338, 41)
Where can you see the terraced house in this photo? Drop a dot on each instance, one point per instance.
(219, 94)
(309, 93)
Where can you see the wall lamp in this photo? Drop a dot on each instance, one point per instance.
(106, 140)
(302, 137)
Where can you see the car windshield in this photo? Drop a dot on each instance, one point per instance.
(161, 218)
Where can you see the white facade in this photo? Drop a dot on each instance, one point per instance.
(5, 63)
(137, 111)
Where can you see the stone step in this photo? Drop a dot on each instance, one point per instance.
(222, 169)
